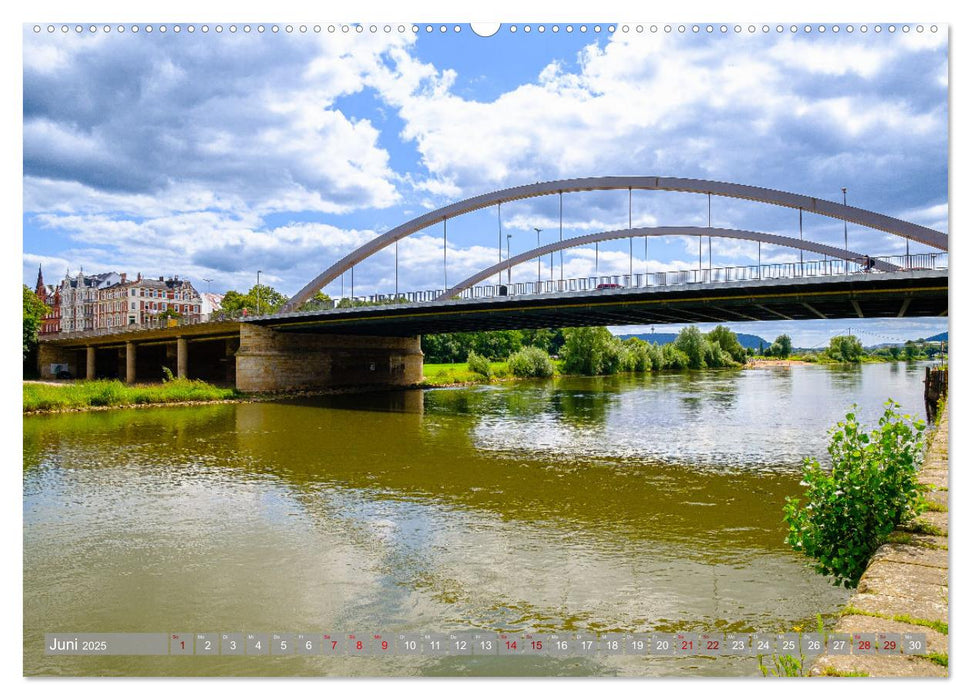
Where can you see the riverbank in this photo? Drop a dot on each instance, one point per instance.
(905, 587)
(758, 363)
(145, 392)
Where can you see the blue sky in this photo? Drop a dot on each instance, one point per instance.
(213, 155)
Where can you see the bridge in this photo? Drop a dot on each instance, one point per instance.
(376, 340)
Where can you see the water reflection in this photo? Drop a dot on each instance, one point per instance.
(620, 504)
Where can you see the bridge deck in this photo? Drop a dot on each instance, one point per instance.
(914, 293)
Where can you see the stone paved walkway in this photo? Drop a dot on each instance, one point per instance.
(905, 587)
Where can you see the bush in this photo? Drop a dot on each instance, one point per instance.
(673, 358)
(591, 351)
(845, 348)
(693, 344)
(530, 362)
(849, 511)
(479, 365)
(637, 356)
(724, 338)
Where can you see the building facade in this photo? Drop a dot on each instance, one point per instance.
(50, 296)
(143, 301)
(111, 300)
(79, 299)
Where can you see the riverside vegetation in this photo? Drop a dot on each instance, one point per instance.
(463, 358)
(111, 392)
(847, 512)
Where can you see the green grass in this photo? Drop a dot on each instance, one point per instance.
(831, 671)
(937, 625)
(933, 506)
(920, 526)
(458, 373)
(111, 392)
(937, 658)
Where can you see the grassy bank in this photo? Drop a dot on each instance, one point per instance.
(459, 373)
(111, 392)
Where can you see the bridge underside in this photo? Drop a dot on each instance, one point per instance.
(877, 295)
(379, 346)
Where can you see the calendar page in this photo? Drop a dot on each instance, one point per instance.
(536, 349)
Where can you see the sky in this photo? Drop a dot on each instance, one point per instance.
(212, 155)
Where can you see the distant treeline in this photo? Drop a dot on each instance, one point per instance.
(595, 350)
(588, 351)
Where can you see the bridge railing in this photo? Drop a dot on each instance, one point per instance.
(644, 280)
(153, 325)
(669, 278)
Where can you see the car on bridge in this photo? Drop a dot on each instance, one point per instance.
(610, 285)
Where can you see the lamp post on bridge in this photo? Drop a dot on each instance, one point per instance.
(846, 243)
(509, 268)
(258, 273)
(539, 258)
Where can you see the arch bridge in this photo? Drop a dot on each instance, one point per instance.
(378, 343)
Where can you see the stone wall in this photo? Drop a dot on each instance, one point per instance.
(48, 355)
(905, 587)
(269, 360)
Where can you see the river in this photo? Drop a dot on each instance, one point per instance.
(621, 504)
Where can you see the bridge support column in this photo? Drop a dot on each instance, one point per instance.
(130, 362)
(269, 360)
(182, 357)
(90, 358)
(49, 356)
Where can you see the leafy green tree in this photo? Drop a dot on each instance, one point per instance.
(530, 362)
(497, 345)
(728, 342)
(673, 358)
(591, 351)
(479, 365)
(656, 356)
(34, 312)
(549, 339)
(692, 343)
(316, 302)
(912, 351)
(637, 357)
(850, 510)
(261, 299)
(845, 348)
(781, 347)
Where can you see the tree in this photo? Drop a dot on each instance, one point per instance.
(781, 347)
(845, 348)
(912, 351)
(317, 301)
(692, 343)
(728, 341)
(261, 299)
(591, 351)
(34, 312)
(530, 362)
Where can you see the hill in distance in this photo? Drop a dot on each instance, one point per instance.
(747, 340)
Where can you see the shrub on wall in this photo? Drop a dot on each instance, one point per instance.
(850, 510)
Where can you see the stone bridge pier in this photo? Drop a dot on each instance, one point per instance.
(269, 360)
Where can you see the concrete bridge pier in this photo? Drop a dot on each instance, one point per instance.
(269, 360)
(182, 357)
(130, 362)
(91, 355)
(48, 355)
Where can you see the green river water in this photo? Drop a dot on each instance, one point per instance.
(623, 504)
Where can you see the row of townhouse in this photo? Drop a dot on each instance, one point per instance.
(111, 300)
